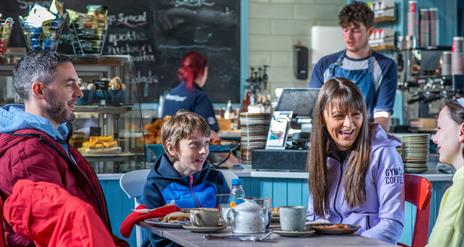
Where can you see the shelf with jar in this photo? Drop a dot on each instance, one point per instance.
(384, 11)
(384, 19)
(382, 38)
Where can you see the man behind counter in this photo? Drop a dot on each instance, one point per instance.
(373, 73)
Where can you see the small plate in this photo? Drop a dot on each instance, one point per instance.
(294, 234)
(175, 224)
(335, 229)
(204, 229)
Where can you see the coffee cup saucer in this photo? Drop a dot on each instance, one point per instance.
(204, 229)
(294, 234)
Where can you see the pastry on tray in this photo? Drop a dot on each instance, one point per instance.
(100, 145)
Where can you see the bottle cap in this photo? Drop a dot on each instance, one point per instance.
(236, 181)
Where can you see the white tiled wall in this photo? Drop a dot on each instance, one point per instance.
(276, 25)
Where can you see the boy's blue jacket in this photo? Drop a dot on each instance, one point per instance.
(165, 184)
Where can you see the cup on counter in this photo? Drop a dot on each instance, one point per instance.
(446, 63)
(292, 218)
(458, 56)
(204, 217)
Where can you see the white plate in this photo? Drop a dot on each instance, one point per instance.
(175, 224)
(294, 234)
(204, 229)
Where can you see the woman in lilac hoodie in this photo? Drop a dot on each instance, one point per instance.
(355, 172)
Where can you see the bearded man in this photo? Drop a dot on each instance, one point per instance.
(34, 136)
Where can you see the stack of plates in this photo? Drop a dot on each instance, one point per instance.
(414, 151)
(253, 133)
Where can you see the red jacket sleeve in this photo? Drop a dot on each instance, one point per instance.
(50, 216)
(28, 160)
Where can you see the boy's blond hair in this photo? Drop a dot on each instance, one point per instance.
(182, 126)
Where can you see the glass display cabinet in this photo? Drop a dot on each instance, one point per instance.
(108, 132)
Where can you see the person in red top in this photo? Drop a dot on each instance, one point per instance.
(50, 216)
(34, 136)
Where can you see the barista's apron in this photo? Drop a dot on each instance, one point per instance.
(363, 78)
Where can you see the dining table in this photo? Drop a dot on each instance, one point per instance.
(192, 239)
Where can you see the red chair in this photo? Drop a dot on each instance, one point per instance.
(418, 191)
(2, 235)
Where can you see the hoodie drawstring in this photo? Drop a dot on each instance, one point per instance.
(197, 202)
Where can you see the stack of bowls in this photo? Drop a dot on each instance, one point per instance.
(414, 151)
(253, 133)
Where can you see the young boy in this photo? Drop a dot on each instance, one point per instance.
(182, 175)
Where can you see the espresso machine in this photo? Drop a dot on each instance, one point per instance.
(425, 77)
(293, 154)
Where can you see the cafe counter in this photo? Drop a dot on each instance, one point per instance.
(432, 174)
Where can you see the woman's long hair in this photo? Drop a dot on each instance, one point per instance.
(456, 110)
(345, 95)
(192, 66)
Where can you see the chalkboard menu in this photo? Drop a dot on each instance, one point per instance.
(156, 33)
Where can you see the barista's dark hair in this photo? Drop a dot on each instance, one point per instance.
(39, 65)
(456, 113)
(356, 13)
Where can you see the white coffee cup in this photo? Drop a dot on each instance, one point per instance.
(204, 217)
(292, 218)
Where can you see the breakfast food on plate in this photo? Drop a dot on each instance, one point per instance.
(176, 216)
(100, 144)
(334, 227)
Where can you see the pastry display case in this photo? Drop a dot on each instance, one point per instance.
(108, 128)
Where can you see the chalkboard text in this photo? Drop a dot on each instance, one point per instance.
(128, 20)
(115, 38)
(193, 3)
(139, 53)
(150, 78)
